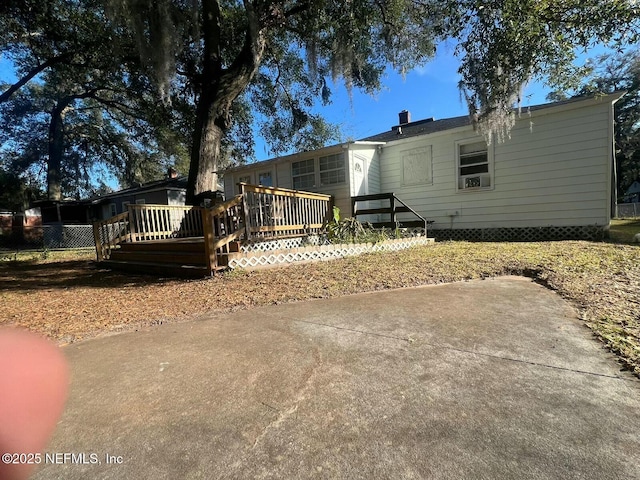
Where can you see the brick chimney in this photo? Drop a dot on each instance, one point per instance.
(404, 117)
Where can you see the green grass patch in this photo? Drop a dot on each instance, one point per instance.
(623, 231)
(46, 255)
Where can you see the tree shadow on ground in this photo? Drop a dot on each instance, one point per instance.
(15, 276)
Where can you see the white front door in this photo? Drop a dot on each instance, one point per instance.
(359, 178)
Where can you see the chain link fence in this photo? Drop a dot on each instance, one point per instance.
(47, 237)
(627, 210)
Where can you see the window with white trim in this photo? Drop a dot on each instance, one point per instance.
(474, 172)
(244, 179)
(332, 171)
(113, 210)
(303, 174)
(265, 179)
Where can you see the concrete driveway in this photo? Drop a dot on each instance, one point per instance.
(493, 379)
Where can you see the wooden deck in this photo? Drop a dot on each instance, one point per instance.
(196, 241)
(188, 241)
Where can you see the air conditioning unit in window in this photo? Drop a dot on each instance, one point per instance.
(477, 181)
(472, 182)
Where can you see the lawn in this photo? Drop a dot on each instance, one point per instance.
(623, 231)
(69, 299)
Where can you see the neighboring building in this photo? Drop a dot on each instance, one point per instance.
(169, 191)
(632, 195)
(69, 212)
(553, 178)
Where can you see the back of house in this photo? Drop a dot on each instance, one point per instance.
(553, 178)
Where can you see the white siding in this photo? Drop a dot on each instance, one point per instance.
(554, 170)
(281, 174)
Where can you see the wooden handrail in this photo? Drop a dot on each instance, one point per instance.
(107, 234)
(283, 192)
(222, 224)
(392, 210)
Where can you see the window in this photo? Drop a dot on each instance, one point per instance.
(332, 169)
(265, 179)
(244, 179)
(473, 166)
(303, 174)
(125, 206)
(113, 209)
(140, 201)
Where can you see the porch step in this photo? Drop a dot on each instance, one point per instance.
(178, 244)
(159, 256)
(163, 269)
(178, 257)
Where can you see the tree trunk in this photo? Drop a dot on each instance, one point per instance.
(56, 151)
(219, 87)
(205, 149)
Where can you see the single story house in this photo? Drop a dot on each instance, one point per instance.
(169, 191)
(553, 178)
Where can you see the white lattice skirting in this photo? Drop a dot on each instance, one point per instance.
(283, 244)
(323, 252)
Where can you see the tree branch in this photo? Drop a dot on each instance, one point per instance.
(32, 73)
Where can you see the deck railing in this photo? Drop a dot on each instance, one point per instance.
(109, 233)
(157, 222)
(223, 224)
(146, 222)
(395, 207)
(280, 212)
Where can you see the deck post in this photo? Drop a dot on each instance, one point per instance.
(245, 212)
(133, 228)
(96, 238)
(392, 206)
(209, 251)
(329, 215)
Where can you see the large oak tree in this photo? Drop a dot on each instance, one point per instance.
(276, 54)
(81, 98)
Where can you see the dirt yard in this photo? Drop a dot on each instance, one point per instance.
(70, 299)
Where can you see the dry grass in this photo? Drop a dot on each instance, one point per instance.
(70, 300)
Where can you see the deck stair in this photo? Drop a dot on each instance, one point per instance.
(183, 257)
